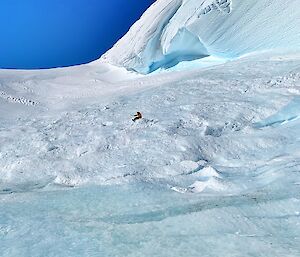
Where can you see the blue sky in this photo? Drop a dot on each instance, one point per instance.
(53, 33)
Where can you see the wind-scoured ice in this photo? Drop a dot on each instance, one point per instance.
(174, 31)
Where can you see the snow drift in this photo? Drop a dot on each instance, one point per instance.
(172, 31)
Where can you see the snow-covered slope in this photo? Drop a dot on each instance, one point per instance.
(175, 30)
(212, 168)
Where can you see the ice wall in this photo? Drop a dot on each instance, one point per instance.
(175, 30)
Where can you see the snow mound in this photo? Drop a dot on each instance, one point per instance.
(211, 184)
(209, 172)
(209, 180)
(172, 31)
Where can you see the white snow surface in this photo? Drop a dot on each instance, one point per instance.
(172, 31)
(212, 168)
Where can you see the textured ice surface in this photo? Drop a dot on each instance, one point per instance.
(174, 31)
(212, 168)
(289, 113)
(148, 220)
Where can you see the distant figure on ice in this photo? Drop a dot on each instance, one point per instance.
(137, 116)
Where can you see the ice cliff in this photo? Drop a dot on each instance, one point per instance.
(172, 31)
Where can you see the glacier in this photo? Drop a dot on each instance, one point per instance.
(172, 31)
(213, 167)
